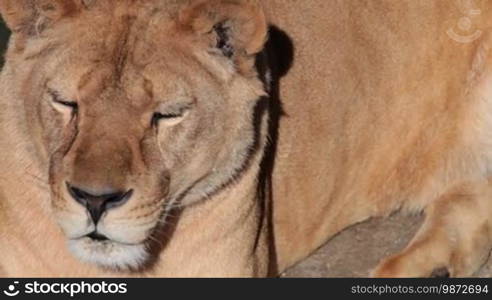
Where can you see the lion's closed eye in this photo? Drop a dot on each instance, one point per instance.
(62, 105)
(170, 115)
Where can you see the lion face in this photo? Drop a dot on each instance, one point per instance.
(136, 108)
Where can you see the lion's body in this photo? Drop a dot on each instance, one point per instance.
(382, 110)
(377, 115)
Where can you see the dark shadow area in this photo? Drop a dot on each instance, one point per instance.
(161, 237)
(4, 38)
(278, 58)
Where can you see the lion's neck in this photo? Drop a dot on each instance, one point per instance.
(224, 234)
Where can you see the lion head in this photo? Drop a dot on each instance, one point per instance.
(135, 108)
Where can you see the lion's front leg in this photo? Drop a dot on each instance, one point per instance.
(455, 239)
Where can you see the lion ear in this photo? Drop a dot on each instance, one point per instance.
(236, 29)
(31, 16)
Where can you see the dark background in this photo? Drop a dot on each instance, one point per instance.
(4, 35)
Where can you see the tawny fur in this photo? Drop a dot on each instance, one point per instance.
(382, 111)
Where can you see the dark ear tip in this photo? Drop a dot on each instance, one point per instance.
(223, 39)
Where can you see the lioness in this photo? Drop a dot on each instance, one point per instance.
(157, 138)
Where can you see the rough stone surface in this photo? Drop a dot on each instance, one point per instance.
(358, 249)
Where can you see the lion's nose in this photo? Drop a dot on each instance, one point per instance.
(96, 205)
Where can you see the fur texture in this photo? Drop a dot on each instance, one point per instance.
(382, 110)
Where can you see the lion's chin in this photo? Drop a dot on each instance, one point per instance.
(109, 254)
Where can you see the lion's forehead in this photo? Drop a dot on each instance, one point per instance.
(140, 66)
(168, 75)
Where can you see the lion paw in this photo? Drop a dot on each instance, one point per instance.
(406, 266)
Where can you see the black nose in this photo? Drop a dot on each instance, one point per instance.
(98, 204)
